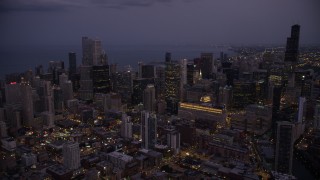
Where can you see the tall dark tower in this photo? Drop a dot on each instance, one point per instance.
(292, 48)
(72, 64)
(168, 57)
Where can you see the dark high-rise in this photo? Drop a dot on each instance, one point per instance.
(284, 147)
(292, 48)
(172, 81)
(168, 57)
(72, 64)
(101, 79)
(205, 63)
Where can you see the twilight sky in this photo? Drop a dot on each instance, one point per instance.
(56, 22)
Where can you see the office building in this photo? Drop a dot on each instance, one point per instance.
(149, 98)
(205, 64)
(173, 140)
(101, 79)
(172, 81)
(292, 48)
(138, 86)
(284, 147)
(92, 53)
(3, 129)
(302, 109)
(27, 105)
(316, 122)
(126, 126)
(13, 93)
(168, 57)
(148, 71)
(148, 129)
(72, 65)
(86, 84)
(243, 94)
(71, 155)
(28, 159)
(58, 99)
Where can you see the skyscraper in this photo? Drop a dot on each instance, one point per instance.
(206, 65)
(87, 52)
(72, 64)
(168, 57)
(172, 80)
(292, 48)
(316, 123)
(96, 51)
(92, 53)
(86, 86)
(101, 79)
(126, 126)
(148, 129)
(149, 98)
(27, 105)
(138, 86)
(284, 147)
(71, 155)
(173, 140)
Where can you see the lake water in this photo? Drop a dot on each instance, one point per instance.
(22, 58)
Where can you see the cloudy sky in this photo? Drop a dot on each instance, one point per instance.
(41, 22)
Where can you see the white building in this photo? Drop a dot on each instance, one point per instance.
(71, 155)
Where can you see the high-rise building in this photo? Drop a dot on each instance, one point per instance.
(149, 98)
(191, 74)
(13, 93)
(63, 78)
(206, 65)
(243, 94)
(87, 59)
(92, 53)
(101, 79)
(148, 129)
(183, 76)
(138, 86)
(86, 85)
(168, 57)
(96, 52)
(126, 126)
(173, 140)
(292, 48)
(3, 129)
(122, 84)
(284, 147)
(72, 65)
(67, 91)
(302, 109)
(172, 81)
(46, 96)
(27, 105)
(71, 155)
(148, 71)
(316, 123)
(58, 99)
